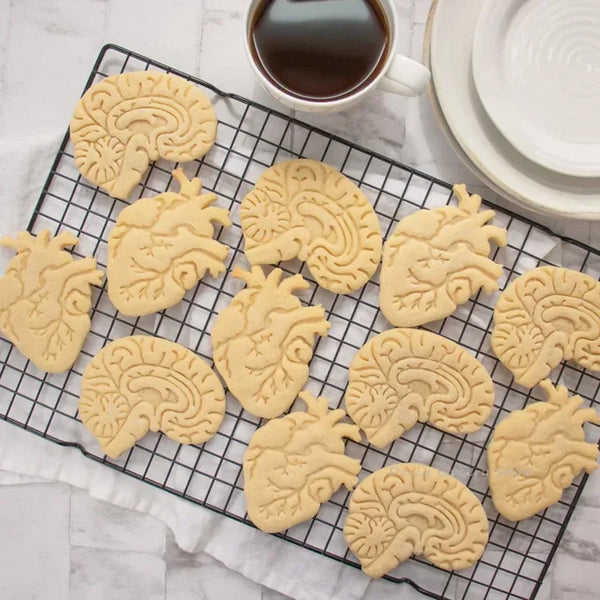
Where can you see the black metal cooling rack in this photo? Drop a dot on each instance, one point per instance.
(251, 138)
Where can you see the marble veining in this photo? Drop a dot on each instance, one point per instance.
(57, 542)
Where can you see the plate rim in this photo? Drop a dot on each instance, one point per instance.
(587, 201)
(505, 112)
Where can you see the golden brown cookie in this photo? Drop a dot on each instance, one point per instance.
(124, 122)
(545, 316)
(141, 383)
(263, 341)
(408, 509)
(296, 463)
(45, 299)
(535, 453)
(161, 247)
(437, 259)
(306, 209)
(402, 376)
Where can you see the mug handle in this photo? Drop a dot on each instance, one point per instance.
(405, 76)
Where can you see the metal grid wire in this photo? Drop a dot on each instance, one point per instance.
(251, 138)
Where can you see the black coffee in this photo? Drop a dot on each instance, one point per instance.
(319, 49)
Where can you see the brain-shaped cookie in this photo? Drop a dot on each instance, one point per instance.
(263, 341)
(545, 316)
(295, 463)
(140, 383)
(124, 122)
(408, 509)
(307, 209)
(45, 299)
(437, 259)
(162, 246)
(537, 452)
(402, 376)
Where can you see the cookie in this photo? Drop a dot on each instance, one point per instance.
(45, 299)
(306, 209)
(535, 453)
(124, 122)
(411, 509)
(263, 341)
(437, 259)
(296, 463)
(141, 383)
(402, 376)
(161, 247)
(545, 316)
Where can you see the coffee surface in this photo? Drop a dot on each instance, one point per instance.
(320, 49)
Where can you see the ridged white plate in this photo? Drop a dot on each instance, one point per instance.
(483, 148)
(536, 66)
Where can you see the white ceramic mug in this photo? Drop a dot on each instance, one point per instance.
(399, 74)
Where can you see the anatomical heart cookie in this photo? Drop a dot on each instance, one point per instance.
(545, 316)
(437, 259)
(161, 247)
(263, 341)
(306, 209)
(141, 383)
(408, 509)
(45, 299)
(124, 122)
(402, 376)
(295, 463)
(537, 452)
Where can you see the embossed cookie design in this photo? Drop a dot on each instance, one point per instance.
(296, 463)
(537, 452)
(408, 509)
(161, 247)
(437, 259)
(124, 122)
(45, 299)
(263, 341)
(141, 383)
(402, 376)
(306, 209)
(545, 316)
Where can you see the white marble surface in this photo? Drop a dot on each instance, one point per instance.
(57, 542)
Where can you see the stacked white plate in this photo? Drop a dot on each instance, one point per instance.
(516, 85)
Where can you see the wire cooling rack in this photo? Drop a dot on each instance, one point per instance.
(251, 138)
